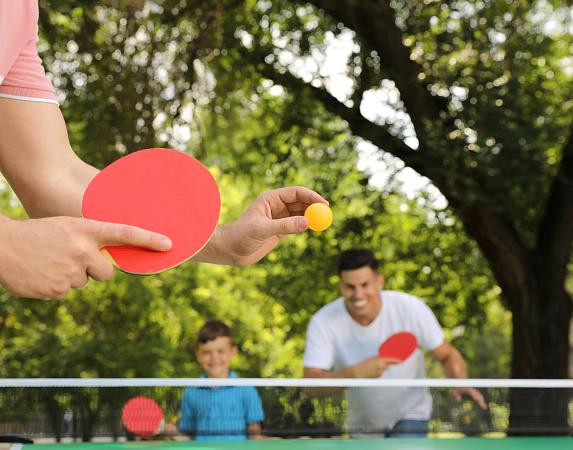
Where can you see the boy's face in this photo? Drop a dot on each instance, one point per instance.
(215, 356)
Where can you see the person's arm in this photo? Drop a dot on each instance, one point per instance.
(44, 258)
(63, 252)
(169, 431)
(314, 372)
(37, 159)
(372, 367)
(187, 422)
(255, 431)
(454, 366)
(272, 216)
(254, 413)
(320, 356)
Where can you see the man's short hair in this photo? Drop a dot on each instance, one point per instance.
(357, 258)
(213, 329)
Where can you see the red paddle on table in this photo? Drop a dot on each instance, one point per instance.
(400, 346)
(142, 416)
(160, 190)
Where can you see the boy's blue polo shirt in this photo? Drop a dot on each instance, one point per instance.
(220, 413)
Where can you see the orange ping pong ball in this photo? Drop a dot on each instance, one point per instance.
(319, 216)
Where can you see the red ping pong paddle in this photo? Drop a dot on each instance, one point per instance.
(160, 190)
(142, 416)
(400, 346)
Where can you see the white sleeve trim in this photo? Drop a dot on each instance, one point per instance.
(438, 342)
(29, 99)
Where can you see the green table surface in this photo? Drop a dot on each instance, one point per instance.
(514, 443)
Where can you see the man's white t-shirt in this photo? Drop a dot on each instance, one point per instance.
(335, 341)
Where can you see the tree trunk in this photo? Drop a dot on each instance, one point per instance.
(532, 283)
(531, 276)
(540, 349)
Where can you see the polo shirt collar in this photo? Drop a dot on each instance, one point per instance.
(232, 374)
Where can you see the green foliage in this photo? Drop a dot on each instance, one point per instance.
(172, 73)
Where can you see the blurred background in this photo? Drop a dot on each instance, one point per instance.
(440, 131)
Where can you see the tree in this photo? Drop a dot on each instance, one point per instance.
(487, 94)
(484, 111)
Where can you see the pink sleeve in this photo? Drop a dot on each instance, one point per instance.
(22, 75)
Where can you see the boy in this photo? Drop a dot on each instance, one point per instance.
(219, 413)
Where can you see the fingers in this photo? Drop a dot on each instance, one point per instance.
(479, 399)
(288, 225)
(296, 196)
(391, 360)
(80, 281)
(473, 393)
(387, 362)
(102, 268)
(119, 234)
(272, 216)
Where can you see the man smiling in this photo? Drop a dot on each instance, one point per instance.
(343, 339)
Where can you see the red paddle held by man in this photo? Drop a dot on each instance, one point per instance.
(400, 346)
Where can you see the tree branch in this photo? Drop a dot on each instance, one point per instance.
(374, 22)
(500, 244)
(359, 125)
(495, 235)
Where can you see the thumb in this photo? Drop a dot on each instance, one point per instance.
(111, 234)
(288, 225)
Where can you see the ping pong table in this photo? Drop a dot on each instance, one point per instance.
(472, 443)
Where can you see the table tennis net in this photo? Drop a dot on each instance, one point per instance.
(91, 409)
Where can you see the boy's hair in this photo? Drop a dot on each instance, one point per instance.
(211, 330)
(357, 258)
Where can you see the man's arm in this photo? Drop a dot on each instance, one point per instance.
(454, 366)
(272, 216)
(370, 368)
(63, 252)
(44, 258)
(50, 180)
(312, 372)
(37, 160)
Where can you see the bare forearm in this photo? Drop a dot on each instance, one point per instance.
(255, 431)
(454, 365)
(347, 372)
(38, 161)
(320, 373)
(215, 251)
